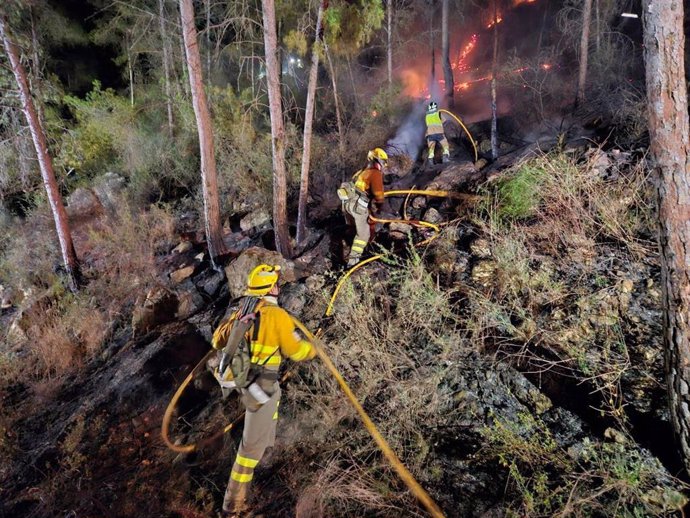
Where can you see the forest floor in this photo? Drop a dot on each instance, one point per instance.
(516, 372)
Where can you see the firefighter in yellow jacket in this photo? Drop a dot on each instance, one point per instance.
(434, 132)
(367, 197)
(273, 337)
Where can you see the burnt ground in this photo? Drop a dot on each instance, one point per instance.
(89, 445)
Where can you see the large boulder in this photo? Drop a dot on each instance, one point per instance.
(158, 307)
(108, 189)
(255, 219)
(83, 204)
(238, 270)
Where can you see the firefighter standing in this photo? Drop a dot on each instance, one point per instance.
(366, 197)
(434, 132)
(273, 336)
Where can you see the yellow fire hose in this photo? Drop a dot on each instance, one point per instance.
(383, 445)
(395, 462)
(474, 145)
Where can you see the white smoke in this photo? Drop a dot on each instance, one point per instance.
(409, 138)
(410, 135)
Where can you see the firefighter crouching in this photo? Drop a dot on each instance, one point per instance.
(271, 337)
(362, 196)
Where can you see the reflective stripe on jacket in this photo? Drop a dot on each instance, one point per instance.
(434, 123)
(370, 182)
(277, 338)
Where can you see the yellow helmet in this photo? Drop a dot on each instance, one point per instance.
(262, 279)
(378, 154)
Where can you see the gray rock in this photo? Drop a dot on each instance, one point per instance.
(158, 307)
(238, 270)
(255, 219)
(293, 298)
(211, 285)
(480, 248)
(189, 300)
(433, 216)
(184, 246)
(183, 273)
(483, 272)
(108, 188)
(84, 204)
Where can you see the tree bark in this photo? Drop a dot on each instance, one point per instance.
(494, 71)
(336, 100)
(166, 66)
(584, 52)
(208, 40)
(389, 49)
(308, 122)
(670, 151)
(214, 230)
(69, 256)
(445, 51)
(280, 224)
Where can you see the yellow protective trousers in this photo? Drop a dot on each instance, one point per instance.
(259, 433)
(358, 213)
(431, 144)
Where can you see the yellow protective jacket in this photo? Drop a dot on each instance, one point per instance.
(276, 337)
(434, 123)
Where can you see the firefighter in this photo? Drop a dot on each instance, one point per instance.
(365, 197)
(434, 132)
(272, 338)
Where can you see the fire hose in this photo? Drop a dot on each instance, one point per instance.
(385, 448)
(474, 144)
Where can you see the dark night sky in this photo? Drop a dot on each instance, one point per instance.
(78, 66)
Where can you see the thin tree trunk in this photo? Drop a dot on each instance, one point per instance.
(543, 25)
(214, 230)
(432, 45)
(494, 71)
(670, 149)
(35, 85)
(584, 51)
(308, 121)
(598, 26)
(208, 40)
(166, 66)
(185, 75)
(338, 116)
(69, 256)
(131, 76)
(389, 50)
(445, 51)
(278, 139)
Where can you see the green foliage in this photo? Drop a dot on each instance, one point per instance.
(589, 479)
(518, 197)
(296, 41)
(348, 26)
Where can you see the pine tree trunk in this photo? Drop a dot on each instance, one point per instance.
(389, 37)
(280, 224)
(336, 100)
(69, 256)
(166, 66)
(308, 122)
(670, 151)
(208, 40)
(494, 71)
(214, 230)
(584, 52)
(445, 51)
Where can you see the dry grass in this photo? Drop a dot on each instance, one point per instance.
(64, 330)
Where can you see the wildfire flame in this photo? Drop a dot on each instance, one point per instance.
(496, 21)
(519, 2)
